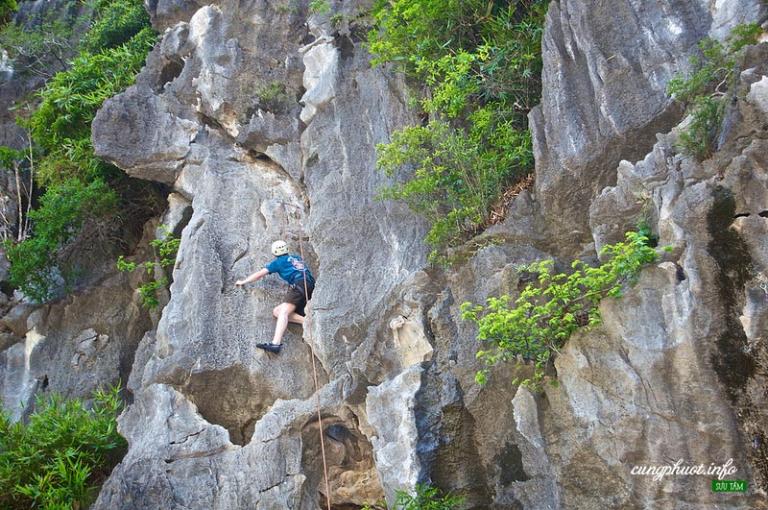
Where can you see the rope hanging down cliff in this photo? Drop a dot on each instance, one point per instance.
(314, 377)
(293, 269)
(308, 329)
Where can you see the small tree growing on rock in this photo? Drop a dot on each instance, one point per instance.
(703, 91)
(537, 324)
(165, 250)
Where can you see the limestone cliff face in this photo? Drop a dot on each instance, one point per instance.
(262, 117)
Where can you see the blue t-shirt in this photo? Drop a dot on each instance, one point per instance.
(291, 269)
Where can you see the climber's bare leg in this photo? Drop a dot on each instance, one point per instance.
(282, 312)
(293, 317)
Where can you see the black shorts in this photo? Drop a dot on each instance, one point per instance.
(296, 295)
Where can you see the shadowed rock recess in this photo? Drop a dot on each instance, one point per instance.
(262, 119)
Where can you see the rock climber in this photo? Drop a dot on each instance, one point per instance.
(293, 270)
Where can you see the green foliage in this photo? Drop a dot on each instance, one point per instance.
(7, 8)
(460, 172)
(80, 189)
(408, 32)
(481, 62)
(320, 6)
(644, 229)
(63, 209)
(114, 24)
(114, 50)
(165, 256)
(9, 156)
(698, 139)
(42, 46)
(49, 40)
(704, 89)
(274, 97)
(149, 290)
(545, 314)
(61, 125)
(426, 498)
(56, 460)
(337, 20)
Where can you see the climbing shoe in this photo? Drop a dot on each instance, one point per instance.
(270, 347)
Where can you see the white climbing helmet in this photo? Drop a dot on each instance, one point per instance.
(279, 248)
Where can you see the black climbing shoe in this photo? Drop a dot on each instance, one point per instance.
(270, 347)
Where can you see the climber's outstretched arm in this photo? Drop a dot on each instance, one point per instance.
(261, 273)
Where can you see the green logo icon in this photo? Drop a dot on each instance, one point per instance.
(729, 486)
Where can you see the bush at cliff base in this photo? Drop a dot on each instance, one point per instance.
(58, 459)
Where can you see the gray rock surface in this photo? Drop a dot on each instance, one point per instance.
(606, 68)
(203, 355)
(391, 410)
(396, 365)
(262, 118)
(166, 13)
(73, 346)
(703, 303)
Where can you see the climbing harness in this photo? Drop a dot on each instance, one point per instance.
(312, 351)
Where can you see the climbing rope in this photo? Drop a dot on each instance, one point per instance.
(308, 329)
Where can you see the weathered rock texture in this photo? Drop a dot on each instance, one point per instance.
(234, 427)
(74, 346)
(606, 68)
(266, 127)
(263, 118)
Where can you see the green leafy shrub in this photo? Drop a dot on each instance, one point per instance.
(115, 23)
(61, 125)
(643, 228)
(481, 64)
(81, 190)
(337, 20)
(459, 176)
(7, 8)
(58, 458)
(545, 314)
(425, 497)
(9, 155)
(698, 139)
(704, 89)
(320, 6)
(49, 41)
(165, 256)
(409, 32)
(274, 97)
(63, 210)
(43, 47)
